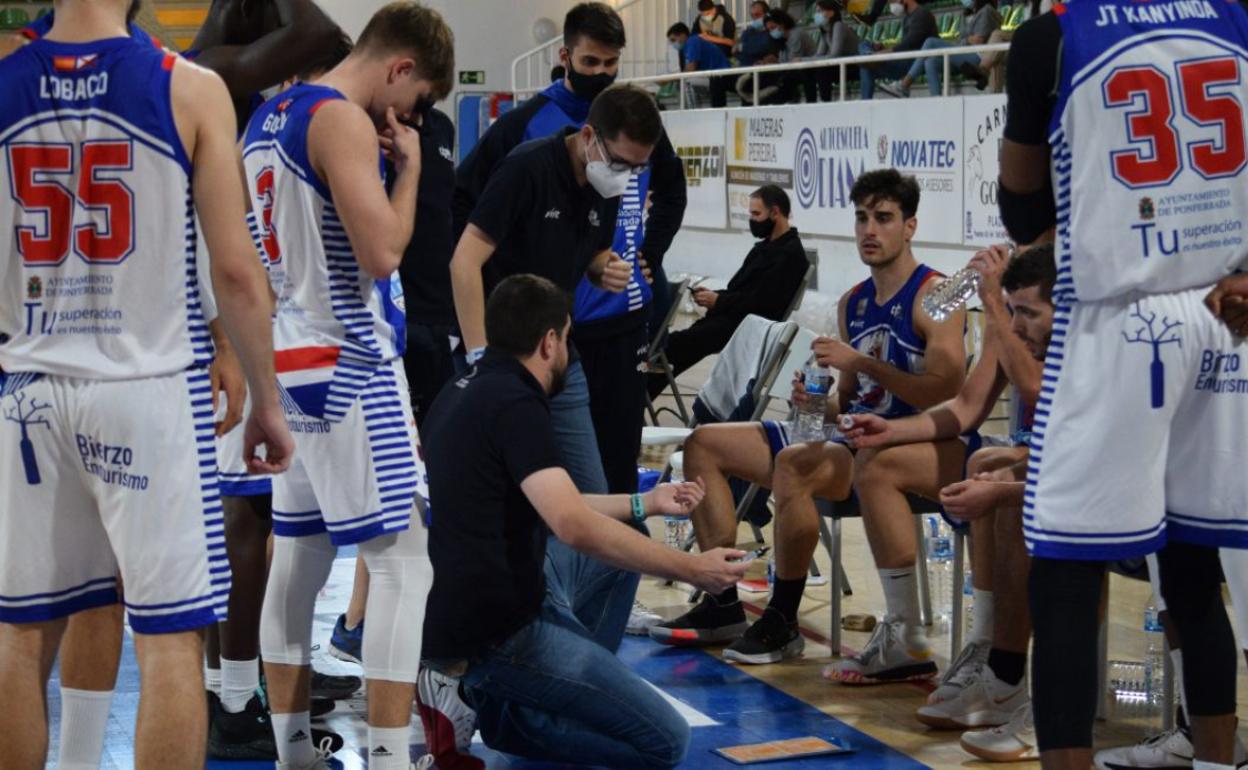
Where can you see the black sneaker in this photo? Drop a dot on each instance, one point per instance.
(245, 735)
(770, 640)
(320, 707)
(707, 623)
(976, 73)
(334, 687)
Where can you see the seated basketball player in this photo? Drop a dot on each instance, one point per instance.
(985, 685)
(897, 360)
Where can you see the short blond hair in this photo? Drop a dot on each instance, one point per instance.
(408, 27)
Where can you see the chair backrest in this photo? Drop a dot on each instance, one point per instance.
(677, 290)
(801, 292)
(770, 369)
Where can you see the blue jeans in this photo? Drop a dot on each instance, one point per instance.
(574, 430)
(555, 691)
(885, 70)
(574, 433)
(934, 66)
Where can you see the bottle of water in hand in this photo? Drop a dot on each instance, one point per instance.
(808, 425)
(948, 296)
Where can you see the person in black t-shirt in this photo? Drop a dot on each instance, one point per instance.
(425, 269)
(764, 285)
(527, 635)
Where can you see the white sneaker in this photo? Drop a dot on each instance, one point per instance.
(448, 721)
(1171, 748)
(640, 620)
(886, 659)
(982, 701)
(896, 89)
(961, 672)
(1013, 741)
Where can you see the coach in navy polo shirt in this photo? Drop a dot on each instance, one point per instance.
(550, 210)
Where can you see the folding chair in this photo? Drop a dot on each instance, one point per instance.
(656, 358)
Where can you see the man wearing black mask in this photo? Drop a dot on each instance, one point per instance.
(609, 329)
(764, 285)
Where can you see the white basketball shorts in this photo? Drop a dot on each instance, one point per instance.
(235, 480)
(99, 479)
(1140, 431)
(358, 478)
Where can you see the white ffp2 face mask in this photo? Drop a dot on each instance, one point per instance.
(897, 9)
(608, 182)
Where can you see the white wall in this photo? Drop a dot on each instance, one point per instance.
(489, 34)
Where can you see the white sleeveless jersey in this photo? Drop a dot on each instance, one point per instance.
(1149, 146)
(97, 273)
(335, 324)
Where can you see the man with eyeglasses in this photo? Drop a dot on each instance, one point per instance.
(550, 210)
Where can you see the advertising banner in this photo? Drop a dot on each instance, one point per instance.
(698, 138)
(984, 122)
(923, 138)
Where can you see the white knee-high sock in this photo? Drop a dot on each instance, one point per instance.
(84, 719)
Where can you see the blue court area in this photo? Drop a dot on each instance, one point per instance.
(725, 705)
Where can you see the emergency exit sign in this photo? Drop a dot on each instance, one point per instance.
(472, 77)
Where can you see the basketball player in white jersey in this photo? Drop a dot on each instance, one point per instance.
(1126, 134)
(333, 240)
(103, 346)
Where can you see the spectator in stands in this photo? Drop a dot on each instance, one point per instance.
(837, 38)
(715, 25)
(756, 45)
(764, 285)
(896, 360)
(700, 56)
(981, 21)
(558, 73)
(989, 61)
(917, 25)
(530, 649)
(791, 46)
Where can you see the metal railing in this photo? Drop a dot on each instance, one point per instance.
(645, 24)
(843, 63)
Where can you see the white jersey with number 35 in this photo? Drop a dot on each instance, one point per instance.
(1149, 146)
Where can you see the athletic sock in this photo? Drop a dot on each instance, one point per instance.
(1007, 666)
(901, 598)
(981, 618)
(729, 596)
(239, 681)
(387, 748)
(786, 597)
(212, 680)
(84, 720)
(1201, 764)
(293, 735)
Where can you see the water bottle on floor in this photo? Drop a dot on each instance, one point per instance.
(808, 425)
(940, 571)
(1154, 656)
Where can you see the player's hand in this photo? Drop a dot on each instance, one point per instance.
(798, 396)
(226, 374)
(991, 263)
(676, 499)
(717, 570)
(830, 351)
(869, 432)
(704, 297)
(400, 143)
(616, 274)
(971, 499)
(266, 425)
(646, 272)
(1229, 303)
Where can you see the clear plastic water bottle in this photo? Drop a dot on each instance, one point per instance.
(808, 425)
(940, 571)
(951, 294)
(1154, 655)
(676, 528)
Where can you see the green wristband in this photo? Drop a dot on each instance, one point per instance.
(639, 508)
